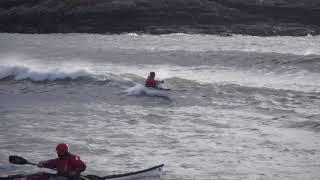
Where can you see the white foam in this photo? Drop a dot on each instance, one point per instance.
(21, 72)
(139, 89)
(131, 34)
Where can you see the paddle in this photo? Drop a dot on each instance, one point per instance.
(19, 160)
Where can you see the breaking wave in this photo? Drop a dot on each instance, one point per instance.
(20, 72)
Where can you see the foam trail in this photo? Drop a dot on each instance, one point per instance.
(139, 89)
(20, 72)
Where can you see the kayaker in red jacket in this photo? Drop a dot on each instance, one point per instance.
(66, 164)
(151, 81)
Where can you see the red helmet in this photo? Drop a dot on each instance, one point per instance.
(62, 148)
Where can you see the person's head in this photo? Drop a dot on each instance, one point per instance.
(62, 150)
(152, 74)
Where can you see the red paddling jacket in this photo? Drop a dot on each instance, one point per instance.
(65, 165)
(151, 82)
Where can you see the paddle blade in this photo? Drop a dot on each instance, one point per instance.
(17, 160)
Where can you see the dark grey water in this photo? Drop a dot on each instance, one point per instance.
(240, 107)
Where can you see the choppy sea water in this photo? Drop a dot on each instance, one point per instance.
(240, 107)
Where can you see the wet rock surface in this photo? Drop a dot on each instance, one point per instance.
(224, 17)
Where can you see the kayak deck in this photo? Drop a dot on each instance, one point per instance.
(150, 172)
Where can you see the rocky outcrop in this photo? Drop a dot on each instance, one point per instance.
(253, 17)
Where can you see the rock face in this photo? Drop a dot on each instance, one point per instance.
(253, 17)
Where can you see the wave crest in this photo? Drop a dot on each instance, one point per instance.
(20, 72)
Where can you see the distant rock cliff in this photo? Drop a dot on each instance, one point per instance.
(253, 17)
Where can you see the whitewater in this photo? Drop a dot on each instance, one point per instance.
(240, 107)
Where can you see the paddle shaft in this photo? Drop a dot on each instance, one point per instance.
(32, 164)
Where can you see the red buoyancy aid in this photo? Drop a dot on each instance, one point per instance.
(151, 82)
(65, 165)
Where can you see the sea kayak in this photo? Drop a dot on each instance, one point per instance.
(142, 174)
(159, 88)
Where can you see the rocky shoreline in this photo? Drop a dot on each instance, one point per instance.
(224, 17)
